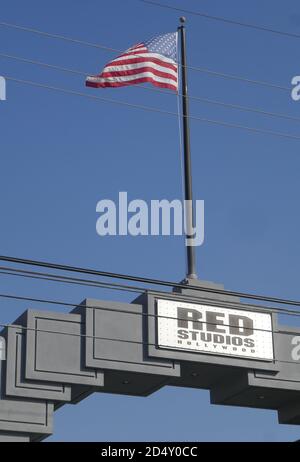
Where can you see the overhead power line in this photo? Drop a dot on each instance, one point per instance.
(151, 281)
(118, 310)
(156, 110)
(38, 275)
(223, 20)
(42, 64)
(191, 97)
(122, 311)
(67, 280)
(135, 342)
(100, 308)
(119, 340)
(84, 282)
(239, 78)
(240, 107)
(103, 47)
(19, 327)
(56, 36)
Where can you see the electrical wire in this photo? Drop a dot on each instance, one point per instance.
(57, 36)
(43, 64)
(135, 313)
(144, 343)
(101, 308)
(112, 310)
(121, 287)
(95, 337)
(56, 278)
(224, 20)
(156, 110)
(151, 281)
(239, 78)
(193, 68)
(191, 97)
(245, 108)
(19, 328)
(169, 318)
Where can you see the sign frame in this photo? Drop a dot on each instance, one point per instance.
(154, 350)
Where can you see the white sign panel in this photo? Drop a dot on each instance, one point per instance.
(214, 330)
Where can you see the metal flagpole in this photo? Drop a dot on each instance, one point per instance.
(188, 192)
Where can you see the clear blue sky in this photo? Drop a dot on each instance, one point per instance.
(61, 154)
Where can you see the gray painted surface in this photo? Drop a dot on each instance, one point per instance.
(203, 294)
(34, 417)
(115, 342)
(6, 437)
(54, 350)
(19, 437)
(288, 365)
(266, 389)
(242, 389)
(133, 384)
(128, 349)
(204, 376)
(16, 383)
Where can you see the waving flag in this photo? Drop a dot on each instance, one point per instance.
(151, 61)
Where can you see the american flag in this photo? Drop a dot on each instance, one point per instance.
(153, 61)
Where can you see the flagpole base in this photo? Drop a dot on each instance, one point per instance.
(192, 276)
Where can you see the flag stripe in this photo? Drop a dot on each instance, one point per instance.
(129, 78)
(138, 71)
(132, 82)
(135, 60)
(146, 55)
(134, 52)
